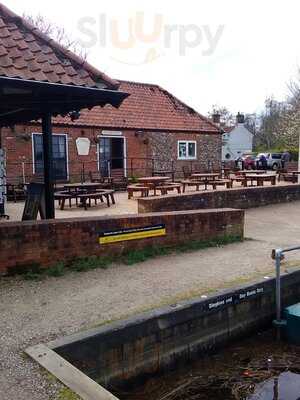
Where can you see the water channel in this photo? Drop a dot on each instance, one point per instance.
(258, 368)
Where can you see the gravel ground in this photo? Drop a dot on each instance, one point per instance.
(35, 312)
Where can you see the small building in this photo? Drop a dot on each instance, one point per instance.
(40, 79)
(236, 140)
(152, 131)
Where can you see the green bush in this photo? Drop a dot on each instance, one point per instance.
(56, 270)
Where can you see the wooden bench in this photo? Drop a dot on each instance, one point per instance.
(221, 182)
(241, 179)
(190, 182)
(286, 174)
(288, 177)
(168, 187)
(63, 196)
(15, 192)
(137, 188)
(86, 198)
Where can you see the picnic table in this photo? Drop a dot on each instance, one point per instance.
(86, 198)
(291, 175)
(205, 177)
(251, 171)
(84, 192)
(295, 173)
(260, 179)
(153, 182)
(86, 186)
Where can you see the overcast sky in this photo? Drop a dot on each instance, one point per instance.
(226, 52)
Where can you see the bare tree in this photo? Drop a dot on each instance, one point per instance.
(226, 117)
(56, 33)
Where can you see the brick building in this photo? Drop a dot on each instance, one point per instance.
(151, 131)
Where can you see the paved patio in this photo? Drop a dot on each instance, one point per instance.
(122, 206)
(34, 312)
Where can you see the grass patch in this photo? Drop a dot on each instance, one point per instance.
(130, 258)
(93, 262)
(137, 256)
(67, 394)
(56, 270)
(32, 272)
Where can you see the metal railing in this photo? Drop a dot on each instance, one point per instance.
(80, 171)
(278, 256)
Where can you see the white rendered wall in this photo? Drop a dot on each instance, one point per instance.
(239, 141)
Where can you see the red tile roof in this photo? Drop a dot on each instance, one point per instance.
(148, 107)
(26, 53)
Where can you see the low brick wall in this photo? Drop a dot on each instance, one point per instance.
(241, 198)
(47, 242)
(164, 338)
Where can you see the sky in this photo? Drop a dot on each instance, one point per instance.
(231, 53)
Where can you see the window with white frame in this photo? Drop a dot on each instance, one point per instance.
(187, 150)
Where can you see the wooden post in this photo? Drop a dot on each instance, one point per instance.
(48, 165)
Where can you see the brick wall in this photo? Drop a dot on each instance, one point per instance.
(47, 242)
(241, 198)
(164, 146)
(17, 143)
(140, 149)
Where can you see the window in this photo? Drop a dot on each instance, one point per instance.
(59, 148)
(187, 150)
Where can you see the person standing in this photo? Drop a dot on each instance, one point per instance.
(262, 162)
(285, 157)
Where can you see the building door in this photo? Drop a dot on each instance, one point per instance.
(59, 148)
(111, 155)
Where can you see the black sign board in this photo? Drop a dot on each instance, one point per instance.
(35, 202)
(235, 298)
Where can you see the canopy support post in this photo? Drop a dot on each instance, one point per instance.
(48, 165)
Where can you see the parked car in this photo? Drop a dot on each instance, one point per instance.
(249, 161)
(273, 160)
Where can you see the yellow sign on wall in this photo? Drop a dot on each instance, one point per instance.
(132, 234)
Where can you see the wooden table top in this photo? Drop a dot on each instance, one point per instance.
(260, 176)
(154, 179)
(81, 185)
(251, 171)
(205, 175)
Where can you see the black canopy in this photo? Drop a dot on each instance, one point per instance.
(26, 100)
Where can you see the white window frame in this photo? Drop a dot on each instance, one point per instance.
(187, 142)
(54, 134)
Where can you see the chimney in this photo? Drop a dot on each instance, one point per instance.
(240, 118)
(216, 118)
